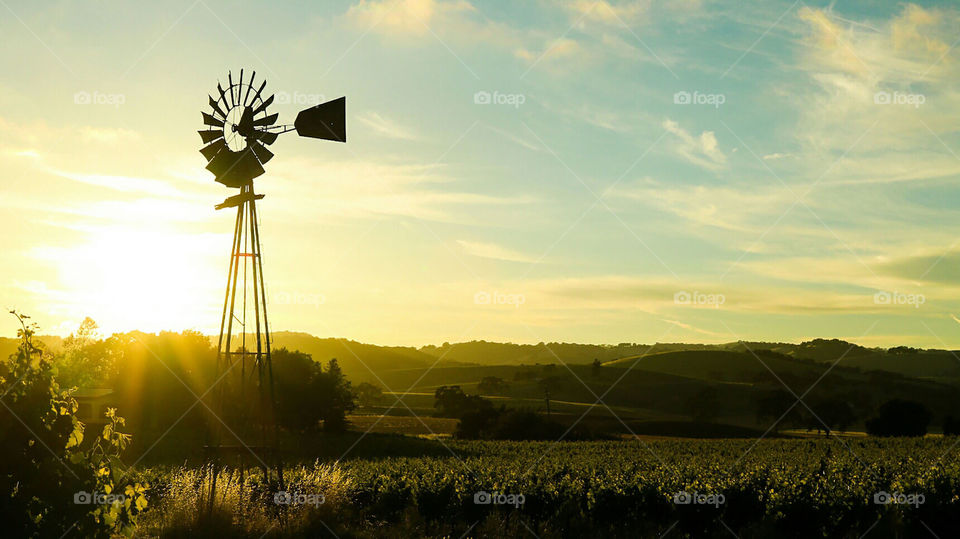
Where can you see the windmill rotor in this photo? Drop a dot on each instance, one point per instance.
(239, 126)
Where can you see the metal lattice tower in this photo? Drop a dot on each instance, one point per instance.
(238, 131)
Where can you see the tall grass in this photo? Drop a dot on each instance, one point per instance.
(244, 505)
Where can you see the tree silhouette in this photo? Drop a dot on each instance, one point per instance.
(899, 417)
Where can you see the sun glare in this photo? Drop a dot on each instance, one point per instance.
(146, 277)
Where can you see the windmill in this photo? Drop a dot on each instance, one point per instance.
(238, 130)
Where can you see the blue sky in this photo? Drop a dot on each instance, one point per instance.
(806, 190)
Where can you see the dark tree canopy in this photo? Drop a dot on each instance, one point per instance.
(899, 417)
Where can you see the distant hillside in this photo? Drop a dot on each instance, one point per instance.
(8, 345)
(942, 365)
(718, 365)
(495, 353)
(355, 358)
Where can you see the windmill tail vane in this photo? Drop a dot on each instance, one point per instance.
(238, 130)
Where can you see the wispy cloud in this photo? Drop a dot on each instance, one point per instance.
(405, 17)
(385, 127)
(494, 251)
(701, 150)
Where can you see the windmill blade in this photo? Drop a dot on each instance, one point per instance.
(245, 127)
(230, 79)
(263, 106)
(223, 96)
(261, 151)
(249, 87)
(212, 149)
(210, 120)
(324, 121)
(266, 120)
(216, 107)
(240, 85)
(260, 90)
(265, 137)
(210, 135)
(235, 169)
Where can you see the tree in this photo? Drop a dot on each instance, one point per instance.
(899, 417)
(493, 385)
(596, 367)
(778, 405)
(451, 401)
(367, 394)
(336, 397)
(831, 413)
(48, 475)
(87, 359)
(951, 426)
(297, 403)
(306, 394)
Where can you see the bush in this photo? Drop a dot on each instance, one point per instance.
(900, 418)
(48, 476)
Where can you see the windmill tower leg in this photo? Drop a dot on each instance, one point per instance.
(232, 398)
(270, 430)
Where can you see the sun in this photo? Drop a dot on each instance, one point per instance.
(148, 277)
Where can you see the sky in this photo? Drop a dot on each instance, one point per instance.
(605, 172)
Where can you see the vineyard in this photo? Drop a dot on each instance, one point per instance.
(797, 488)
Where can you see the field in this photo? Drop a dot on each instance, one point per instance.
(795, 488)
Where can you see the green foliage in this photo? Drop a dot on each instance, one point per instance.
(50, 479)
(493, 385)
(87, 360)
(306, 393)
(368, 394)
(772, 488)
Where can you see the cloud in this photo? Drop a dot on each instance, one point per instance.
(775, 156)
(701, 150)
(688, 327)
(385, 127)
(604, 12)
(744, 209)
(494, 251)
(943, 268)
(856, 72)
(406, 17)
(562, 48)
(375, 188)
(654, 295)
(513, 138)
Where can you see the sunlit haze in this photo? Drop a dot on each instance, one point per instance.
(515, 171)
